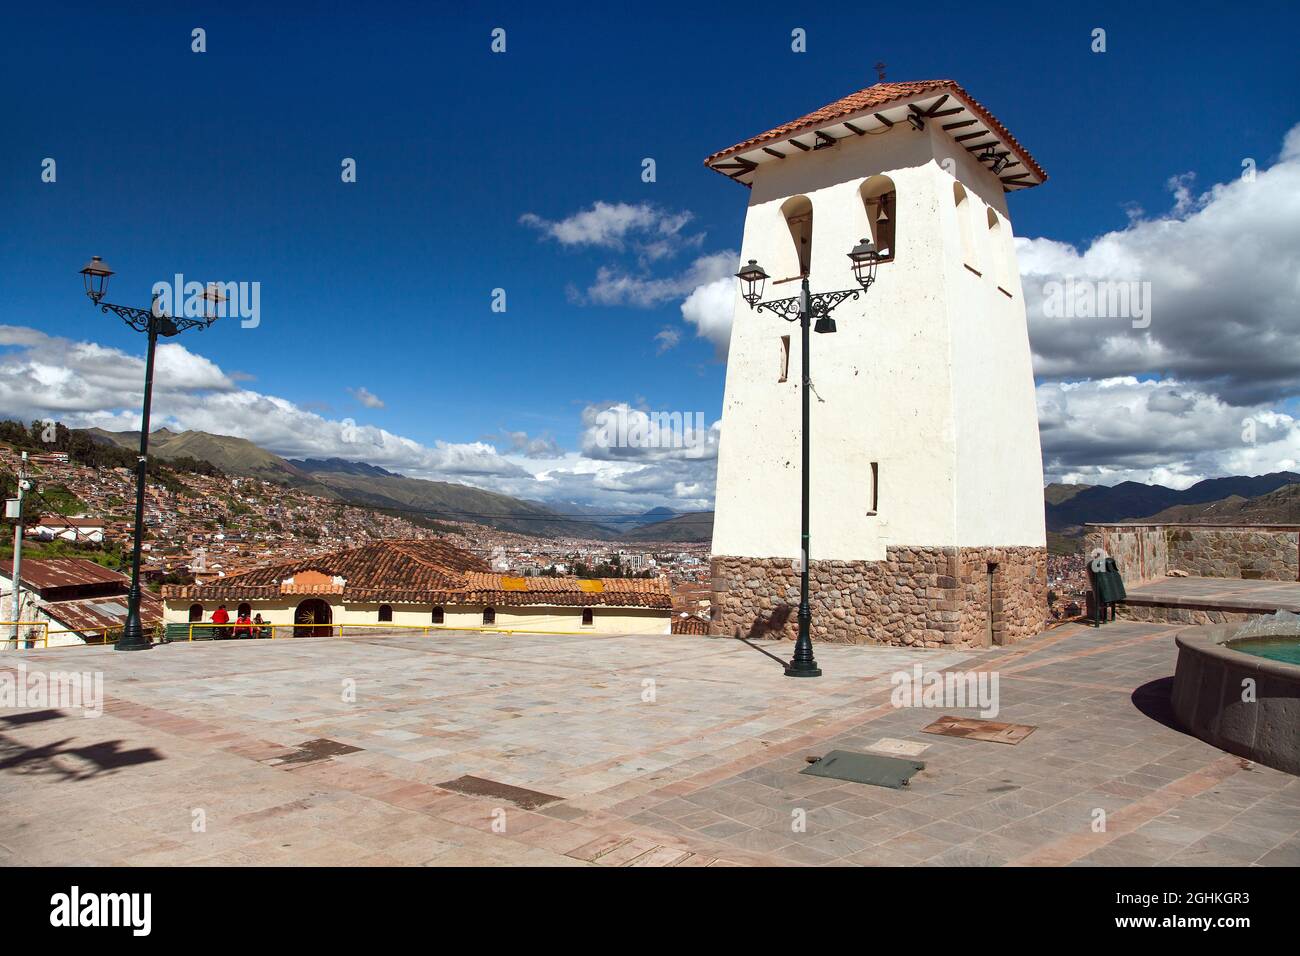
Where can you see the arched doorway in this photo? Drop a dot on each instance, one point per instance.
(313, 611)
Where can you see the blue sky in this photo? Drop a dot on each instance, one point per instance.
(226, 165)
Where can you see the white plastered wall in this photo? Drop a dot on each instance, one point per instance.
(928, 374)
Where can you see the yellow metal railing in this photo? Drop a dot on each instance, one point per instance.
(106, 635)
(422, 628)
(8, 641)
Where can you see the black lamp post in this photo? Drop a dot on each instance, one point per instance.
(154, 323)
(803, 308)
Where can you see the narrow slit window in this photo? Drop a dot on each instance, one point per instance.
(997, 252)
(875, 488)
(785, 358)
(963, 205)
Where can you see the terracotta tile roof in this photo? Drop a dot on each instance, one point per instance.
(59, 521)
(689, 624)
(429, 572)
(875, 99)
(418, 564)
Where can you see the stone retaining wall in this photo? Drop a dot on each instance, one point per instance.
(1141, 551)
(920, 597)
(1235, 553)
(1146, 552)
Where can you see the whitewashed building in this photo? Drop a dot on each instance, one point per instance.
(927, 522)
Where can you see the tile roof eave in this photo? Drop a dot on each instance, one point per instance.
(799, 127)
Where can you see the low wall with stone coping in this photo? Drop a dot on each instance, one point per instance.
(1146, 552)
(918, 597)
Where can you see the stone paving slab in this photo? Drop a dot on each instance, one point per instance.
(665, 751)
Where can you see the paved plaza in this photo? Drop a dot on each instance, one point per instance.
(1220, 593)
(637, 751)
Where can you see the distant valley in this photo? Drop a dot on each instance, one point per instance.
(1264, 499)
(423, 501)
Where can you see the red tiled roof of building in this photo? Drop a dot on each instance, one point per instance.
(689, 624)
(59, 521)
(419, 564)
(430, 572)
(874, 99)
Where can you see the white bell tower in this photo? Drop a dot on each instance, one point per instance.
(926, 474)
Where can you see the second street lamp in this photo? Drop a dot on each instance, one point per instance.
(151, 321)
(803, 308)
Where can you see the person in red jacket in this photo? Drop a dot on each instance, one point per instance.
(220, 616)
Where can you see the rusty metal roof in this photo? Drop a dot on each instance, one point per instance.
(93, 613)
(43, 573)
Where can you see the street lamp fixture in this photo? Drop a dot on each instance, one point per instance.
(865, 258)
(752, 278)
(96, 273)
(804, 308)
(997, 161)
(154, 323)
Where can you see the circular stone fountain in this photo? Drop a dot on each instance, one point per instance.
(1235, 688)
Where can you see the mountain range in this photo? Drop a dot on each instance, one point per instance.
(1069, 506)
(1264, 499)
(423, 501)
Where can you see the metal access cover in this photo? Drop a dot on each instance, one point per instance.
(973, 728)
(874, 769)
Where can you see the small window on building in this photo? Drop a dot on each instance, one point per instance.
(385, 613)
(798, 214)
(244, 610)
(437, 615)
(587, 617)
(489, 616)
(963, 204)
(196, 612)
(998, 252)
(785, 358)
(880, 199)
(875, 487)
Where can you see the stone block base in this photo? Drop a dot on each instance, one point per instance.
(1179, 614)
(918, 597)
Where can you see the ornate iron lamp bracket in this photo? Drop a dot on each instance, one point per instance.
(140, 319)
(820, 304)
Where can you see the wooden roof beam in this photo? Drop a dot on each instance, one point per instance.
(937, 103)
